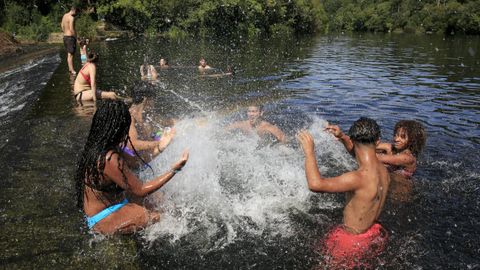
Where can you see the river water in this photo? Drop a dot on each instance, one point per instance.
(240, 203)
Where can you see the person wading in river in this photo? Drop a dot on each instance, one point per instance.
(70, 36)
(359, 238)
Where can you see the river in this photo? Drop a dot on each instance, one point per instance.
(238, 203)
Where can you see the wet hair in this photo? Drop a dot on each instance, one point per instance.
(92, 57)
(83, 42)
(364, 131)
(259, 107)
(142, 90)
(108, 132)
(416, 134)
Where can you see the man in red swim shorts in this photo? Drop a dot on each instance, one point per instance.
(359, 238)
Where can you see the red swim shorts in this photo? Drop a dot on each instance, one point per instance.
(343, 249)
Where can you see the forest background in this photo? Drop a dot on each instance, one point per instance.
(35, 20)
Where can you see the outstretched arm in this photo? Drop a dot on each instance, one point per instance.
(345, 182)
(114, 166)
(402, 159)
(385, 148)
(236, 125)
(277, 132)
(149, 145)
(337, 132)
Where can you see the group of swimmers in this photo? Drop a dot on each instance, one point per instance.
(120, 140)
(111, 194)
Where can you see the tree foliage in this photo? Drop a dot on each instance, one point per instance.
(249, 17)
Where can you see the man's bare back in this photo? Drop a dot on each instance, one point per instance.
(366, 188)
(68, 25)
(365, 204)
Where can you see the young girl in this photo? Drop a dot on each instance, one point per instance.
(83, 50)
(104, 180)
(408, 141)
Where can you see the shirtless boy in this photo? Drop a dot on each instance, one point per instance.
(359, 238)
(70, 36)
(255, 123)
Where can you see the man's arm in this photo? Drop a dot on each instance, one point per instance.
(397, 160)
(236, 125)
(277, 132)
(345, 182)
(337, 132)
(385, 147)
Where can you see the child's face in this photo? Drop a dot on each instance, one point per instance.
(400, 139)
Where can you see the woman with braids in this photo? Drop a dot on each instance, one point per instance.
(104, 180)
(85, 86)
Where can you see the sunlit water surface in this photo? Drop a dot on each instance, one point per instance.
(242, 202)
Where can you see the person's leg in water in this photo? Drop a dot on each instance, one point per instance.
(130, 218)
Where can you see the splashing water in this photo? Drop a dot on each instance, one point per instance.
(232, 184)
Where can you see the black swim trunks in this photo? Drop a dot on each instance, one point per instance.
(70, 43)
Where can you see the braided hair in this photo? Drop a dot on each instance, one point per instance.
(109, 132)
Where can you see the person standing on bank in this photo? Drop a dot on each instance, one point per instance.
(70, 36)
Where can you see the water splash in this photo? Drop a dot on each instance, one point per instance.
(233, 184)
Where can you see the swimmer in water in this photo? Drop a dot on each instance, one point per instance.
(163, 63)
(360, 237)
(227, 73)
(256, 124)
(105, 184)
(202, 65)
(143, 138)
(408, 142)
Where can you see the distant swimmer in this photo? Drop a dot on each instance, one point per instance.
(227, 73)
(105, 185)
(70, 36)
(148, 72)
(85, 86)
(84, 42)
(202, 65)
(163, 63)
(360, 238)
(256, 124)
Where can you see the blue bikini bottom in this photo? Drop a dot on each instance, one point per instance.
(91, 221)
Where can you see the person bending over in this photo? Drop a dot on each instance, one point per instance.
(360, 237)
(103, 179)
(255, 123)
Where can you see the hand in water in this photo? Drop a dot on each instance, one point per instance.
(182, 161)
(306, 140)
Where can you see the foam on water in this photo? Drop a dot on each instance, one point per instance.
(18, 84)
(234, 184)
